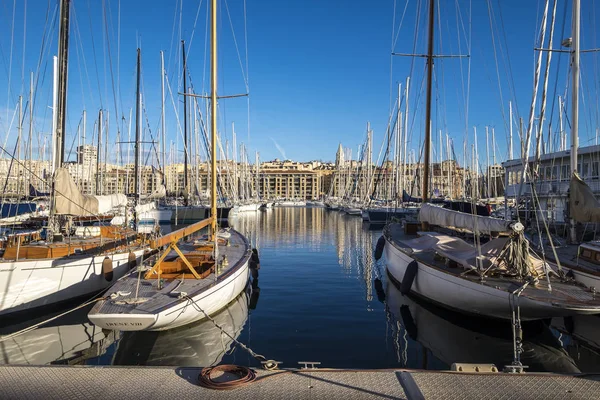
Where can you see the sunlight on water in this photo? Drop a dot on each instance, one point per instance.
(320, 296)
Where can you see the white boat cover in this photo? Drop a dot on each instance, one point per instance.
(466, 255)
(69, 200)
(450, 218)
(583, 205)
(142, 208)
(159, 193)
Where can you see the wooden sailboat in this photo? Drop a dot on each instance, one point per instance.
(72, 261)
(192, 278)
(494, 279)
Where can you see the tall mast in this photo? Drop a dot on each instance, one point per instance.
(19, 145)
(63, 56)
(138, 100)
(575, 86)
(510, 130)
(213, 116)
(428, 104)
(162, 117)
(30, 138)
(574, 99)
(185, 135)
(98, 153)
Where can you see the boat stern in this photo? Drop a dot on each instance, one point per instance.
(121, 321)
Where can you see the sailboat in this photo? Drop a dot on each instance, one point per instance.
(192, 278)
(72, 261)
(497, 279)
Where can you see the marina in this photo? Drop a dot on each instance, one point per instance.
(152, 243)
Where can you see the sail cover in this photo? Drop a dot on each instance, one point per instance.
(443, 217)
(583, 205)
(159, 193)
(69, 200)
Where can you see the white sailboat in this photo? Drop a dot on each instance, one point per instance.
(192, 278)
(71, 262)
(494, 279)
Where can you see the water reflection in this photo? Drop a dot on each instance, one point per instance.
(71, 340)
(202, 344)
(455, 338)
(324, 299)
(580, 335)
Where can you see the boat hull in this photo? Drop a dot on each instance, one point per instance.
(180, 313)
(463, 295)
(30, 284)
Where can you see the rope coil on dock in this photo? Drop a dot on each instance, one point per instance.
(245, 376)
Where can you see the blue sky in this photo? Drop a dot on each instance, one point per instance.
(317, 70)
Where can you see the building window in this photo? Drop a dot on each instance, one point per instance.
(555, 173)
(565, 173)
(585, 171)
(595, 169)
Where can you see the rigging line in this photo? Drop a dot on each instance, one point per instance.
(12, 40)
(560, 54)
(511, 79)
(79, 51)
(169, 57)
(236, 45)
(94, 53)
(247, 69)
(189, 46)
(110, 63)
(491, 18)
(24, 45)
(392, 56)
(43, 180)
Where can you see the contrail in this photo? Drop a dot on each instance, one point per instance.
(281, 150)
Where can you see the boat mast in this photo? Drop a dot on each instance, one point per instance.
(427, 150)
(574, 99)
(185, 133)
(213, 125)
(60, 102)
(162, 117)
(98, 153)
(138, 100)
(63, 56)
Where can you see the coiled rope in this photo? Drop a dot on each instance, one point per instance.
(245, 375)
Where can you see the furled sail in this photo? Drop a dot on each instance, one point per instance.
(159, 193)
(444, 217)
(583, 205)
(69, 200)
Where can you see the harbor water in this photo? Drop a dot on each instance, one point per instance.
(319, 296)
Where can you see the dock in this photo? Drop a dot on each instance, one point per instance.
(113, 382)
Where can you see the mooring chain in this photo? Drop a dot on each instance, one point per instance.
(267, 364)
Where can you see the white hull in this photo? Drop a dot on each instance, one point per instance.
(162, 215)
(291, 204)
(585, 278)
(467, 296)
(180, 313)
(28, 284)
(352, 211)
(246, 208)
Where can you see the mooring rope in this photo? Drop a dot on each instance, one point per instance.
(267, 364)
(35, 326)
